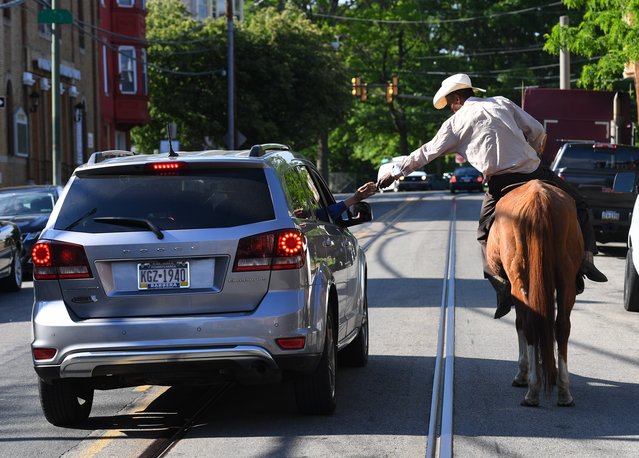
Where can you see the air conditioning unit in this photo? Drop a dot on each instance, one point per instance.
(45, 84)
(73, 92)
(28, 79)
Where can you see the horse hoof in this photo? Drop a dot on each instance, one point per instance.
(526, 403)
(566, 404)
(519, 384)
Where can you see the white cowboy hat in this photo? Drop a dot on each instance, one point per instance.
(452, 84)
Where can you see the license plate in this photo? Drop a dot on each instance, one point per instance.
(164, 275)
(610, 215)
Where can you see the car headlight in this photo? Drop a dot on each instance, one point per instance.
(401, 178)
(424, 178)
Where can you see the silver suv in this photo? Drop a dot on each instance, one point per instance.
(194, 267)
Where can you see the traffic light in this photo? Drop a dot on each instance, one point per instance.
(356, 82)
(392, 89)
(390, 93)
(364, 92)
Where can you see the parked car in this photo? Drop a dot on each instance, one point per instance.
(631, 277)
(210, 265)
(29, 208)
(466, 179)
(627, 182)
(592, 167)
(10, 253)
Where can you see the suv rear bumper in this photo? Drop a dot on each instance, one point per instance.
(111, 369)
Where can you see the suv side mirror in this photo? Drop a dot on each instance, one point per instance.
(625, 182)
(359, 213)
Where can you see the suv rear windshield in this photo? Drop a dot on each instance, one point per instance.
(211, 199)
(589, 157)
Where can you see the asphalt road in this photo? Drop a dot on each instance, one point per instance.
(383, 409)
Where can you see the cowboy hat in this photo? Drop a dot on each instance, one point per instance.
(451, 84)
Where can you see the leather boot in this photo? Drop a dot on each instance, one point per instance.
(504, 299)
(589, 270)
(579, 283)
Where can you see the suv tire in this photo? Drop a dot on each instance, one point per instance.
(631, 285)
(315, 392)
(65, 402)
(356, 354)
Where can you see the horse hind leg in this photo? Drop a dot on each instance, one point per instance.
(534, 378)
(521, 379)
(562, 333)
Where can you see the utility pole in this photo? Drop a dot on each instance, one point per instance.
(55, 99)
(564, 60)
(56, 17)
(230, 75)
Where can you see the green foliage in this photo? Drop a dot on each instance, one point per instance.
(608, 34)
(498, 43)
(288, 79)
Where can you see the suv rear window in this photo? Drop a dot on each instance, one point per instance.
(206, 199)
(589, 157)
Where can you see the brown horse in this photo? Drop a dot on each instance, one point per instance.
(536, 242)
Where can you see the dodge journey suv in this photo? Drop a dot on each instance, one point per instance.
(190, 268)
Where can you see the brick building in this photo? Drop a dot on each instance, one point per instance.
(103, 91)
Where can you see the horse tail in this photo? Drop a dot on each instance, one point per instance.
(541, 281)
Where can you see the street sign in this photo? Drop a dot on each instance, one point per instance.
(55, 16)
(3, 102)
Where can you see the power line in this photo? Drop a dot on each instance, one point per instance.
(435, 21)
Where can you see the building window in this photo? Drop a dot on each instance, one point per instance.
(126, 3)
(120, 140)
(79, 133)
(202, 9)
(127, 70)
(21, 133)
(145, 81)
(105, 70)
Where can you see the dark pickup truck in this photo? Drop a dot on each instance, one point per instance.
(592, 167)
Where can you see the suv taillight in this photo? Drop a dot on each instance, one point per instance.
(59, 260)
(277, 250)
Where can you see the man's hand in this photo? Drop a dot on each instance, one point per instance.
(366, 190)
(385, 181)
(362, 193)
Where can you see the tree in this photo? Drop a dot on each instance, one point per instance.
(608, 35)
(499, 43)
(287, 79)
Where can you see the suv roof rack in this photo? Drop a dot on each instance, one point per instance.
(108, 154)
(260, 150)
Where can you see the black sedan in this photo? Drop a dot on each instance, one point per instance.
(29, 208)
(10, 253)
(466, 179)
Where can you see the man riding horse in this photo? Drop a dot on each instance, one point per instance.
(503, 142)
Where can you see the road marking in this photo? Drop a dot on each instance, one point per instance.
(99, 440)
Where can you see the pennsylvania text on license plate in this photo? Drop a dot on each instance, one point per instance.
(164, 275)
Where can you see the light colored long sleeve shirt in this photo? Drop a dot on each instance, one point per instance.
(493, 134)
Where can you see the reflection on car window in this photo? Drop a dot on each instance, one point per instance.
(304, 199)
(212, 199)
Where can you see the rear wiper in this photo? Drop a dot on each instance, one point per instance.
(80, 219)
(130, 222)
